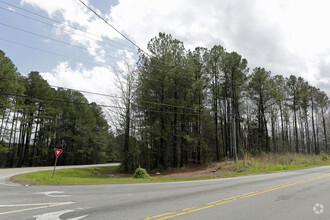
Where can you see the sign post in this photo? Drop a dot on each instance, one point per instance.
(57, 154)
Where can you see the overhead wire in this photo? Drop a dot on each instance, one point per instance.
(123, 35)
(71, 32)
(93, 103)
(58, 100)
(58, 41)
(59, 22)
(77, 59)
(50, 52)
(59, 28)
(111, 25)
(159, 81)
(76, 46)
(102, 94)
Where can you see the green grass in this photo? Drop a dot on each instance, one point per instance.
(272, 162)
(82, 176)
(261, 164)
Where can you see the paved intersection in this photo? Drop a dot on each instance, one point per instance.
(299, 194)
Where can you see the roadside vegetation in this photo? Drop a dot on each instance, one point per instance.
(273, 162)
(175, 108)
(82, 176)
(111, 175)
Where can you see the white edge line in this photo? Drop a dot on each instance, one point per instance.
(45, 205)
(288, 172)
(35, 204)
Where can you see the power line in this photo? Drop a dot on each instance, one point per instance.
(128, 39)
(59, 100)
(62, 42)
(105, 95)
(85, 31)
(93, 103)
(57, 27)
(163, 82)
(74, 58)
(50, 19)
(111, 26)
(49, 52)
(81, 47)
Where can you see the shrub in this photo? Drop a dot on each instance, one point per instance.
(324, 156)
(141, 173)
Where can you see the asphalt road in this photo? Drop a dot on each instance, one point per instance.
(299, 194)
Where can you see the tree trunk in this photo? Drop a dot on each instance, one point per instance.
(1, 127)
(307, 132)
(215, 106)
(313, 126)
(302, 132)
(273, 131)
(175, 138)
(128, 166)
(325, 130)
(198, 130)
(295, 124)
(33, 159)
(282, 126)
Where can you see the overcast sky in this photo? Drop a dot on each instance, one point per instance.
(284, 36)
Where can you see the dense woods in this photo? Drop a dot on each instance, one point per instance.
(36, 118)
(191, 107)
(179, 108)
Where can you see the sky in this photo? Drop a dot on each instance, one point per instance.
(286, 37)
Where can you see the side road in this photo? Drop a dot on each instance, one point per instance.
(7, 173)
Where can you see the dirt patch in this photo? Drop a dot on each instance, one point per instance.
(212, 170)
(215, 169)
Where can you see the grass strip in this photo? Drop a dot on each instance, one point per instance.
(263, 164)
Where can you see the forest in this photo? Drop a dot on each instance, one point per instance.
(178, 108)
(36, 118)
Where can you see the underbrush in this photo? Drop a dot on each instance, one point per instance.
(109, 175)
(275, 162)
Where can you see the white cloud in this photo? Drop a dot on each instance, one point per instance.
(285, 37)
(100, 80)
(128, 59)
(97, 79)
(73, 13)
(144, 19)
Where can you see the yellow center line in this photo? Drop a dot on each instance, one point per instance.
(189, 208)
(231, 199)
(157, 216)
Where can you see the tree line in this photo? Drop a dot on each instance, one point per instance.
(36, 118)
(178, 108)
(186, 107)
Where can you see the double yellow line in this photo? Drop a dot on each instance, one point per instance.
(230, 199)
